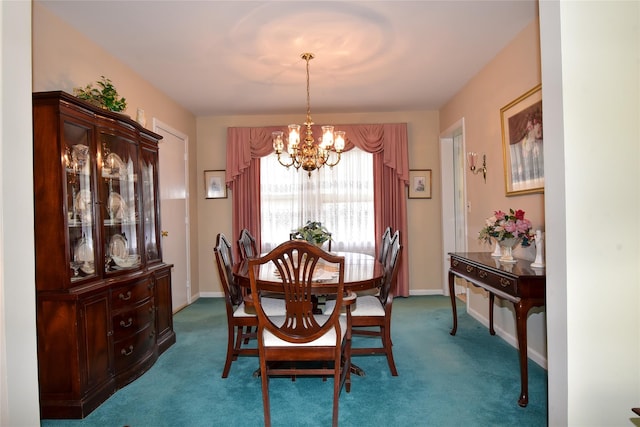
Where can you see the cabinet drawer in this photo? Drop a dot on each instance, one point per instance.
(128, 322)
(130, 350)
(132, 294)
(502, 283)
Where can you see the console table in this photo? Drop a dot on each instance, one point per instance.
(519, 283)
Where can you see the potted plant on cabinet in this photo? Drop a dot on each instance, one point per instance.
(105, 97)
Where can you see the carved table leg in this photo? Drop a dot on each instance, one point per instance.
(452, 293)
(522, 309)
(492, 298)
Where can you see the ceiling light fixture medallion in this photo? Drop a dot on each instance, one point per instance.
(309, 155)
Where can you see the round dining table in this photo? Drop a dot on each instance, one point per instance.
(361, 272)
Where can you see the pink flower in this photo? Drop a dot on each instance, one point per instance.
(510, 226)
(503, 225)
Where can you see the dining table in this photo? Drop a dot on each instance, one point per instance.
(362, 272)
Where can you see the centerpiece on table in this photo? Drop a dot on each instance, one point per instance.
(313, 232)
(508, 229)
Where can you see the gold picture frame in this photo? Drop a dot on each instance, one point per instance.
(215, 186)
(522, 144)
(420, 184)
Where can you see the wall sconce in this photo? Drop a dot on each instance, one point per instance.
(472, 160)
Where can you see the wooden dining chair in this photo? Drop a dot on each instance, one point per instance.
(371, 314)
(239, 320)
(247, 245)
(384, 244)
(300, 335)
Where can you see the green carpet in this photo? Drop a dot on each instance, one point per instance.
(471, 379)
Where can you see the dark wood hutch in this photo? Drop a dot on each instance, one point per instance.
(103, 292)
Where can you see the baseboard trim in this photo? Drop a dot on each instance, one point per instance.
(538, 358)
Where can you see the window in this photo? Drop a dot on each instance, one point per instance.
(340, 197)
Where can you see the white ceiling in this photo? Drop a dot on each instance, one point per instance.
(243, 57)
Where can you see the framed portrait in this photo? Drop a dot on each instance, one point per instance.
(420, 184)
(522, 146)
(215, 186)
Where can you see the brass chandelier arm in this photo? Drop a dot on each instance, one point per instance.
(327, 163)
(287, 165)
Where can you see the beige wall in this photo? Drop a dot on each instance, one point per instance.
(63, 59)
(424, 238)
(514, 71)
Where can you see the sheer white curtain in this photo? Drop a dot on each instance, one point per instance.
(340, 197)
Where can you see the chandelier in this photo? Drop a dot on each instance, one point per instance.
(309, 155)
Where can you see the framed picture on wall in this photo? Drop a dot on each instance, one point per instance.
(522, 146)
(214, 184)
(420, 184)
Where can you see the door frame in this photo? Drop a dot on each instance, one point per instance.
(159, 125)
(448, 202)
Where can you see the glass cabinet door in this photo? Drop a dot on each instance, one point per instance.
(120, 203)
(80, 197)
(149, 174)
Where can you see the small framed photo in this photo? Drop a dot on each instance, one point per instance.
(420, 184)
(215, 186)
(522, 146)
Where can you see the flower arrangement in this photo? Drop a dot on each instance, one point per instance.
(512, 225)
(106, 97)
(313, 232)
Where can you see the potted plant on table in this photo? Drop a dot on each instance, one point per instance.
(313, 232)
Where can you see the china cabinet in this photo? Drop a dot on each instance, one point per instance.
(103, 292)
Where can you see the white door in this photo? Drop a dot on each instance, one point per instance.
(174, 210)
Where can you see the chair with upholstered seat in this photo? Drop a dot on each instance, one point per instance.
(239, 320)
(247, 245)
(371, 314)
(287, 345)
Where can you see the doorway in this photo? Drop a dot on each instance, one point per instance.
(174, 210)
(454, 207)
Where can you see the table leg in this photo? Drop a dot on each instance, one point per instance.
(452, 293)
(492, 298)
(522, 309)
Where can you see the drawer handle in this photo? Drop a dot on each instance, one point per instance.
(504, 282)
(124, 351)
(126, 325)
(125, 297)
(482, 274)
(469, 268)
(454, 262)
